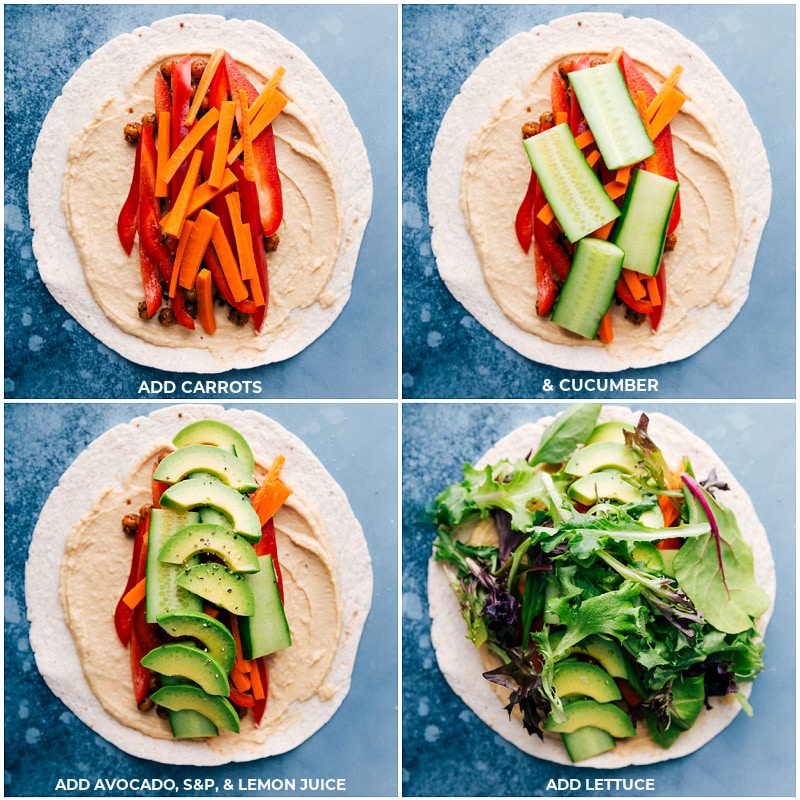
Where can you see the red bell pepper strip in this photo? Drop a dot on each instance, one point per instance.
(151, 283)
(161, 98)
(661, 283)
(261, 705)
(128, 215)
(523, 224)
(123, 614)
(577, 122)
(545, 285)
(218, 90)
(558, 95)
(139, 674)
(250, 214)
(268, 181)
(181, 101)
(268, 546)
(664, 155)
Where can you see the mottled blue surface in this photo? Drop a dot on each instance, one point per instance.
(44, 741)
(448, 751)
(446, 352)
(49, 355)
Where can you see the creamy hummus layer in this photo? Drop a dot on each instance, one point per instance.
(93, 574)
(96, 182)
(494, 179)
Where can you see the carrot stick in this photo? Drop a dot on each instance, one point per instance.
(255, 680)
(193, 138)
(652, 290)
(268, 114)
(205, 81)
(162, 154)
(205, 302)
(204, 227)
(267, 92)
(546, 214)
(593, 158)
(614, 189)
(614, 55)
(205, 193)
(605, 231)
(173, 222)
(179, 253)
(584, 139)
(666, 111)
(605, 333)
(663, 92)
(224, 127)
(135, 595)
(634, 283)
(561, 117)
(247, 139)
(228, 263)
(239, 679)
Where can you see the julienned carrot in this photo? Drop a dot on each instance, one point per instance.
(593, 158)
(605, 231)
(652, 290)
(204, 227)
(605, 332)
(584, 139)
(614, 55)
(205, 81)
(267, 92)
(266, 116)
(163, 143)
(227, 115)
(239, 679)
(205, 302)
(668, 510)
(663, 92)
(248, 261)
(179, 253)
(247, 139)
(561, 117)
(255, 680)
(546, 214)
(135, 595)
(205, 193)
(190, 142)
(614, 189)
(634, 282)
(173, 222)
(228, 263)
(666, 111)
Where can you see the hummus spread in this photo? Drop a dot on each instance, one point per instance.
(463, 664)
(81, 153)
(93, 574)
(299, 270)
(723, 209)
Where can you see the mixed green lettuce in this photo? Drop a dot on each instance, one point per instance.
(562, 574)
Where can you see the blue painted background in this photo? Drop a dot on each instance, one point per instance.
(48, 354)
(448, 751)
(447, 354)
(44, 741)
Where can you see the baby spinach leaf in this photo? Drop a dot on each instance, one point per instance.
(566, 432)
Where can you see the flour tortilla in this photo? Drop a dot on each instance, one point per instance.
(460, 661)
(504, 74)
(101, 471)
(104, 76)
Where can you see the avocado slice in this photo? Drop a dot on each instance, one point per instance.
(582, 713)
(234, 550)
(196, 492)
(606, 485)
(217, 709)
(211, 431)
(218, 585)
(601, 455)
(572, 677)
(205, 458)
(649, 555)
(607, 654)
(587, 742)
(185, 661)
(611, 431)
(188, 724)
(211, 634)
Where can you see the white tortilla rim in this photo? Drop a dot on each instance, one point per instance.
(104, 75)
(460, 661)
(504, 70)
(105, 464)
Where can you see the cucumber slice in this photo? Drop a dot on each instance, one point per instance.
(267, 630)
(163, 594)
(580, 203)
(642, 229)
(589, 289)
(611, 114)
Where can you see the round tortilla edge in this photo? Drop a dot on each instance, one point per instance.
(460, 661)
(51, 641)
